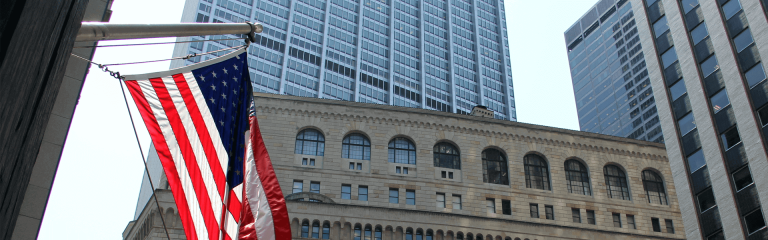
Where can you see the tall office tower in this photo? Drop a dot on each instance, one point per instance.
(704, 62)
(610, 79)
(442, 55)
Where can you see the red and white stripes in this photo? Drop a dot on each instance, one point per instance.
(189, 148)
(263, 198)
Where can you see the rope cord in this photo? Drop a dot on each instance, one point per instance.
(142, 44)
(144, 160)
(117, 75)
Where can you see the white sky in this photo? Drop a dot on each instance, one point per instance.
(97, 183)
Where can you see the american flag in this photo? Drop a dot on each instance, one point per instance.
(211, 149)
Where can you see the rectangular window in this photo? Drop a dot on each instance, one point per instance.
(490, 205)
(576, 213)
(359, 166)
(506, 207)
(405, 170)
(410, 197)
(304, 161)
(394, 195)
(314, 187)
(655, 224)
(550, 211)
(311, 162)
(298, 186)
(534, 210)
(397, 170)
(457, 202)
(362, 193)
(346, 191)
(450, 175)
(591, 217)
(670, 227)
(351, 165)
(617, 220)
(440, 200)
(631, 222)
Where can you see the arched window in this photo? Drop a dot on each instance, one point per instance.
(577, 177)
(326, 231)
(459, 236)
(368, 234)
(408, 234)
(495, 167)
(402, 150)
(357, 232)
(316, 230)
(419, 235)
(429, 235)
(536, 172)
(377, 234)
(305, 230)
(616, 182)
(446, 156)
(479, 237)
(654, 188)
(356, 146)
(310, 142)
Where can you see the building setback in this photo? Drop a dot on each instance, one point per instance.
(442, 55)
(610, 80)
(704, 63)
(353, 171)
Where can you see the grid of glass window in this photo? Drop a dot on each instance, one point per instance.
(701, 187)
(310, 142)
(749, 62)
(610, 79)
(436, 54)
(577, 177)
(356, 146)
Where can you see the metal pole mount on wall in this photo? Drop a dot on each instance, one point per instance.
(97, 31)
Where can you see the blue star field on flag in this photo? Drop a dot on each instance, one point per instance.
(227, 89)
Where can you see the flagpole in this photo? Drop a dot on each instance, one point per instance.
(97, 31)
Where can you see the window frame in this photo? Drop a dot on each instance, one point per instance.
(534, 209)
(549, 211)
(348, 193)
(396, 195)
(579, 176)
(616, 219)
(652, 179)
(502, 173)
(621, 178)
(455, 203)
(301, 186)
(438, 202)
(444, 150)
(393, 149)
(360, 193)
(536, 171)
(410, 197)
(347, 147)
(301, 139)
(576, 215)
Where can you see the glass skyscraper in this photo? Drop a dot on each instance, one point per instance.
(442, 55)
(610, 80)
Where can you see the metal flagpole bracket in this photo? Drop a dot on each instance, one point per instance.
(255, 28)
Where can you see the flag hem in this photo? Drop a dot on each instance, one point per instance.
(188, 68)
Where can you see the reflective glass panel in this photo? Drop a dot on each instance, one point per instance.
(687, 124)
(743, 40)
(731, 8)
(720, 101)
(696, 161)
(699, 33)
(677, 90)
(755, 75)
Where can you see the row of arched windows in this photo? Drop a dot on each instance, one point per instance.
(375, 233)
(495, 169)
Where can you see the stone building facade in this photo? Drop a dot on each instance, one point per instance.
(372, 172)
